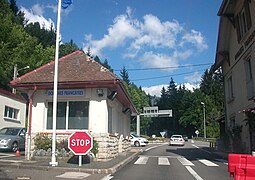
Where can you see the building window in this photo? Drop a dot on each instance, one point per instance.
(11, 113)
(230, 94)
(243, 21)
(249, 78)
(70, 115)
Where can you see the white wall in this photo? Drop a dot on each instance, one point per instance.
(98, 112)
(21, 106)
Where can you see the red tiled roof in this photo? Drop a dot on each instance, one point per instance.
(75, 67)
(12, 96)
(75, 70)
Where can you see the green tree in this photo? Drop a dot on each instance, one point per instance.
(45, 37)
(16, 46)
(124, 75)
(67, 48)
(106, 65)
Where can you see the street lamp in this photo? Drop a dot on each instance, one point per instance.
(204, 120)
(15, 73)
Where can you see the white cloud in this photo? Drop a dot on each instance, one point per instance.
(195, 38)
(35, 15)
(38, 9)
(122, 29)
(195, 77)
(158, 60)
(53, 7)
(142, 39)
(156, 90)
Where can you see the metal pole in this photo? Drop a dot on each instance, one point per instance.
(80, 160)
(138, 125)
(54, 122)
(14, 77)
(204, 122)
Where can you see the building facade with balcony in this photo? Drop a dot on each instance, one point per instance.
(235, 55)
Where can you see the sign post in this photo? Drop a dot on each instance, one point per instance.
(197, 132)
(80, 143)
(152, 112)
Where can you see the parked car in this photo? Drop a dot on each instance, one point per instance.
(185, 137)
(137, 140)
(12, 138)
(177, 140)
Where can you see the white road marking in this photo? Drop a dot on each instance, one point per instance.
(142, 160)
(155, 147)
(185, 161)
(108, 177)
(207, 163)
(74, 175)
(23, 178)
(201, 149)
(193, 173)
(4, 155)
(223, 161)
(163, 161)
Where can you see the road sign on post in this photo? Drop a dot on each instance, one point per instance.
(80, 143)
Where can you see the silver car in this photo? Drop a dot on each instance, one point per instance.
(176, 140)
(12, 138)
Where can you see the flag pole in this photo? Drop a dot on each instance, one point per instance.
(55, 95)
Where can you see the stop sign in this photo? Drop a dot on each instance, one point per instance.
(80, 143)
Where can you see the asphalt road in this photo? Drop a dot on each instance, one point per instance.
(175, 163)
(156, 162)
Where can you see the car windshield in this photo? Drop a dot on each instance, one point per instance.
(135, 135)
(9, 131)
(176, 136)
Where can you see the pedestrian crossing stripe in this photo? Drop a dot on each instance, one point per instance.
(223, 161)
(185, 161)
(142, 160)
(163, 161)
(207, 163)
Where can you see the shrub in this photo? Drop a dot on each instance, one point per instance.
(63, 144)
(94, 150)
(43, 141)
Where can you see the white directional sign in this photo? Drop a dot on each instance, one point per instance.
(163, 133)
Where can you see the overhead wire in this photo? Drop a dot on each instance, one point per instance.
(172, 75)
(169, 67)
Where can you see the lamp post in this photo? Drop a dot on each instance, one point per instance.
(204, 120)
(15, 73)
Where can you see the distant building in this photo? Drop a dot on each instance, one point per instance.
(90, 98)
(12, 110)
(235, 54)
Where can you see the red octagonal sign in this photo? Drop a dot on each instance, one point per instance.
(80, 143)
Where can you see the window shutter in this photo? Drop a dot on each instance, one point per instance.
(247, 14)
(237, 28)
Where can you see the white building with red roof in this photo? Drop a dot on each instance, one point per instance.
(90, 98)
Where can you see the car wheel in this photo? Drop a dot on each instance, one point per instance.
(14, 146)
(137, 143)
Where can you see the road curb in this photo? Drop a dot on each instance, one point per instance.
(20, 164)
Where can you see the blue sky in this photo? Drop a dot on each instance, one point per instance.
(154, 39)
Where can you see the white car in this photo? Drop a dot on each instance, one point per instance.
(137, 140)
(177, 140)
